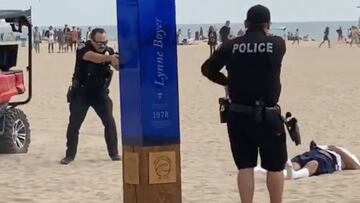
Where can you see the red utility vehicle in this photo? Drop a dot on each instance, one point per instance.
(14, 126)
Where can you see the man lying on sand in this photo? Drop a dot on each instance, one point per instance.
(320, 159)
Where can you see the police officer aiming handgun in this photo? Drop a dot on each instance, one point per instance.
(253, 64)
(89, 88)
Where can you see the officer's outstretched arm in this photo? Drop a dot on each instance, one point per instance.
(98, 58)
(212, 67)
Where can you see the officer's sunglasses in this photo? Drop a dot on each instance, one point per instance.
(101, 43)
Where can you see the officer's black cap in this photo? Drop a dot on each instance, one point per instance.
(258, 14)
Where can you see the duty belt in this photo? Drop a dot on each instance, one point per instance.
(250, 109)
(258, 111)
(270, 113)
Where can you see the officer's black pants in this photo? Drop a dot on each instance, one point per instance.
(103, 107)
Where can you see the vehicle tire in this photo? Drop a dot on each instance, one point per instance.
(16, 134)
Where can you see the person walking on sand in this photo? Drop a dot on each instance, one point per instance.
(225, 32)
(201, 33)
(74, 38)
(80, 38)
(326, 37)
(61, 40)
(88, 32)
(37, 39)
(189, 34)
(296, 37)
(212, 41)
(179, 38)
(354, 36)
(51, 40)
(67, 37)
(340, 34)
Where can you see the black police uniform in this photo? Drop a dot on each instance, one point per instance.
(253, 63)
(90, 89)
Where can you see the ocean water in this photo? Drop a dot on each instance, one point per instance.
(313, 29)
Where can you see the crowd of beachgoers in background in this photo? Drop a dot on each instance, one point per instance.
(66, 39)
(216, 36)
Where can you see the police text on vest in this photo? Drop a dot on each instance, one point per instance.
(263, 47)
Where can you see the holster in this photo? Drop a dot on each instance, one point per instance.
(272, 113)
(108, 78)
(224, 105)
(259, 111)
(73, 90)
(272, 116)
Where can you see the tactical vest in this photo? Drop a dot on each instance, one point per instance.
(91, 75)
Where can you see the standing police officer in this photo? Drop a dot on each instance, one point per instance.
(89, 88)
(253, 63)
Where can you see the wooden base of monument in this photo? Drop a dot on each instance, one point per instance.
(152, 174)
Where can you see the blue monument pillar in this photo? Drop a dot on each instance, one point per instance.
(149, 101)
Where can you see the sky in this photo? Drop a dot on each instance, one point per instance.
(103, 12)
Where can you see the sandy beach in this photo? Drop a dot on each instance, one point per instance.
(320, 87)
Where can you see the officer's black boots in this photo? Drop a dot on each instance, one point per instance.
(66, 160)
(116, 157)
